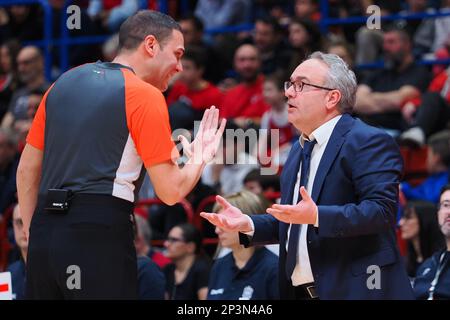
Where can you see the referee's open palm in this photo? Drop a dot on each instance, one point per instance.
(206, 142)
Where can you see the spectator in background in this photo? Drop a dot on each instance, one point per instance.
(77, 54)
(430, 113)
(191, 95)
(438, 164)
(259, 184)
(30, 66)
(112, 13)
(268, 39)
(226, 175)
(245, 103)
(419, 228)
(369, 42)
(245, 273)
(346, 52)
(151, 280)
(21, 127)
(187, 276)
(8, 166)
(380, 97)
(143, 246)
(193, 33)
(21, 22)
(275, 120)
(307, 9)
(110, 48)
(304, 38)
(223, 13)
(8, 74)
(432, 280)
(18, 268)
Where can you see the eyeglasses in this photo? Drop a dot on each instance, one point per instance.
(298, 86)
(444, 205)
(173, 240)
(18, 223)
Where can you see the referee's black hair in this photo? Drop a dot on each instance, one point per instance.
(146, 22)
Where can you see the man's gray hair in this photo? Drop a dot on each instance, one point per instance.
(143, 228)
(340, 77)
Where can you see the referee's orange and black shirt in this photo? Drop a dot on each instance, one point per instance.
(99, 126)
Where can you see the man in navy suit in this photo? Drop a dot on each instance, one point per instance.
(339, 194)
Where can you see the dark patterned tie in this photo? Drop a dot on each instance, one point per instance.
(291, 259)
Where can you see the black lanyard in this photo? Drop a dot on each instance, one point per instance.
(441, 266)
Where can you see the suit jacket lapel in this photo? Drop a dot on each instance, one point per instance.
(337, 138)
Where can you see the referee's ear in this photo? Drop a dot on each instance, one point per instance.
(150, 45)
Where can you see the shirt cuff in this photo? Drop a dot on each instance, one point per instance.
(316, 224)
(250, 233)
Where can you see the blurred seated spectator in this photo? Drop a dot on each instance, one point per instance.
(18, 268)
(8, 74)
(369, 42)
(9, 160)
(275, 121)
(432, 280)
(111, 13)
(245, 103)
(346, 52)
(151, 280)
(307, 9)
(193, 33)
(380, 97)
(163, 218)
(226, 174)
(191, 94)
(430, 113)
(245, 273)
(143, 246)
(187, 277)
(77, 54)
(21, 127)
(21, 22)
(268, 39)
(419, 228)
(431, 34)
(438, 164)
(260, 184)
(110, 48)
(30, 66)
(223, 13)
(442, 53)
(304, 39)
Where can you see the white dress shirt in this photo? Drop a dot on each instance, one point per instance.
(302, 273)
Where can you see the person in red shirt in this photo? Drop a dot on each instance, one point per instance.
(191, 95)
(430, 113)
(245, 102)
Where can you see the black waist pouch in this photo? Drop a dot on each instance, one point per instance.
(58, 200)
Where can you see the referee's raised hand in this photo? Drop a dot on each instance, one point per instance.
(204, 147)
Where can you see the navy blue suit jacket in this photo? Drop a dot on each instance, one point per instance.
(356, 191)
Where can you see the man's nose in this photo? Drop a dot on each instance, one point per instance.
(290, 92)
(179, 66)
